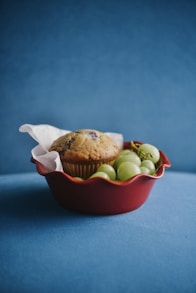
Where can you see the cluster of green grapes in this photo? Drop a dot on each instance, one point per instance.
(139, 159)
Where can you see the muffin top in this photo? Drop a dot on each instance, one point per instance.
(85, 145)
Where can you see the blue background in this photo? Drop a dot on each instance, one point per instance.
(124, 66)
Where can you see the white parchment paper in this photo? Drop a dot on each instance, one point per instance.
(45, 134)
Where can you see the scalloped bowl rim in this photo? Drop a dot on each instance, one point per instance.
(160, 172)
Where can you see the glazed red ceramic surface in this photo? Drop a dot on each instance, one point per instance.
(99, 195)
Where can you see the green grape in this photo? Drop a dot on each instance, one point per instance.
(129, 157)
(115, 165)
(122, 153)
(127, 170)
(79, 178)
(148, 164)
(144, 170)
(125, 152)
(100, 174)
(148, 152)
(108, 169)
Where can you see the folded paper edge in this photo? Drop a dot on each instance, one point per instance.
(40, 153)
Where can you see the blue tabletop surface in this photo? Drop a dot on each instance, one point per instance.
(44, 248)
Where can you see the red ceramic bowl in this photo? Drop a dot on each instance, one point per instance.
(99, 195)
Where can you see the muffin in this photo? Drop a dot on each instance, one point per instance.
(83, 151)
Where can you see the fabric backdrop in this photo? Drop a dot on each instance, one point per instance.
(123, 66)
